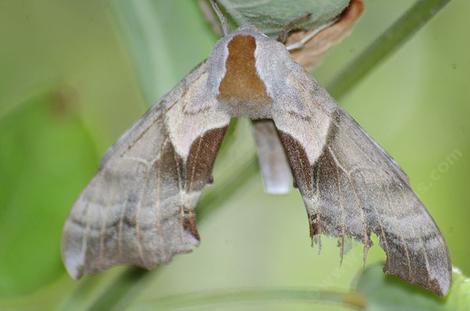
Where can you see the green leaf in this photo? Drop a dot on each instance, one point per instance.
(388, 293)
(459, 298)
(272, 16)
(46, 157)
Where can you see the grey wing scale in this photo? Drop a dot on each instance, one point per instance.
(352, 188)
(139, 208)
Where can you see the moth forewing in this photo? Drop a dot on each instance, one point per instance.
(139, 208)
(350, 185)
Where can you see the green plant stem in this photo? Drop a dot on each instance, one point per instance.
(385, 45)
(223, 297)
(126, 286)
(121, 292)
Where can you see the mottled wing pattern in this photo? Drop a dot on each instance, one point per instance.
(139, 208)
(352, 188)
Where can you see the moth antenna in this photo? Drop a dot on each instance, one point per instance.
(220, 16)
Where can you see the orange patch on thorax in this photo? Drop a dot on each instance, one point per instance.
(241, 82)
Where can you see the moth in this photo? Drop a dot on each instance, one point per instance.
(139, 209)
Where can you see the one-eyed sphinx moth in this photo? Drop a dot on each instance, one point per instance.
(139, 208)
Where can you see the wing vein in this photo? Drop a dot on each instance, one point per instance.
(365, 237)
(361, 204)
(120, 227)
(138, 235)
(420, 239)
(180, 187)
(158, 219)
(318, 214)
(379, 221)
(193, 169)
(85, 235)
(144, 131)
(403, 242)
(104, 214)
(158, 192)
(343, 214)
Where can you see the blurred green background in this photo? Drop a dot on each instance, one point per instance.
(75, 74)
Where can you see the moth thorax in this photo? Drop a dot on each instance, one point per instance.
(241, 87)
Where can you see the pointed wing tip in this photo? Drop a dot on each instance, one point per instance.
(439, 285)
(442, 286)
(73, 260)
(73, 265)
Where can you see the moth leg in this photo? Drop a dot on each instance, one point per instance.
(276, 172)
